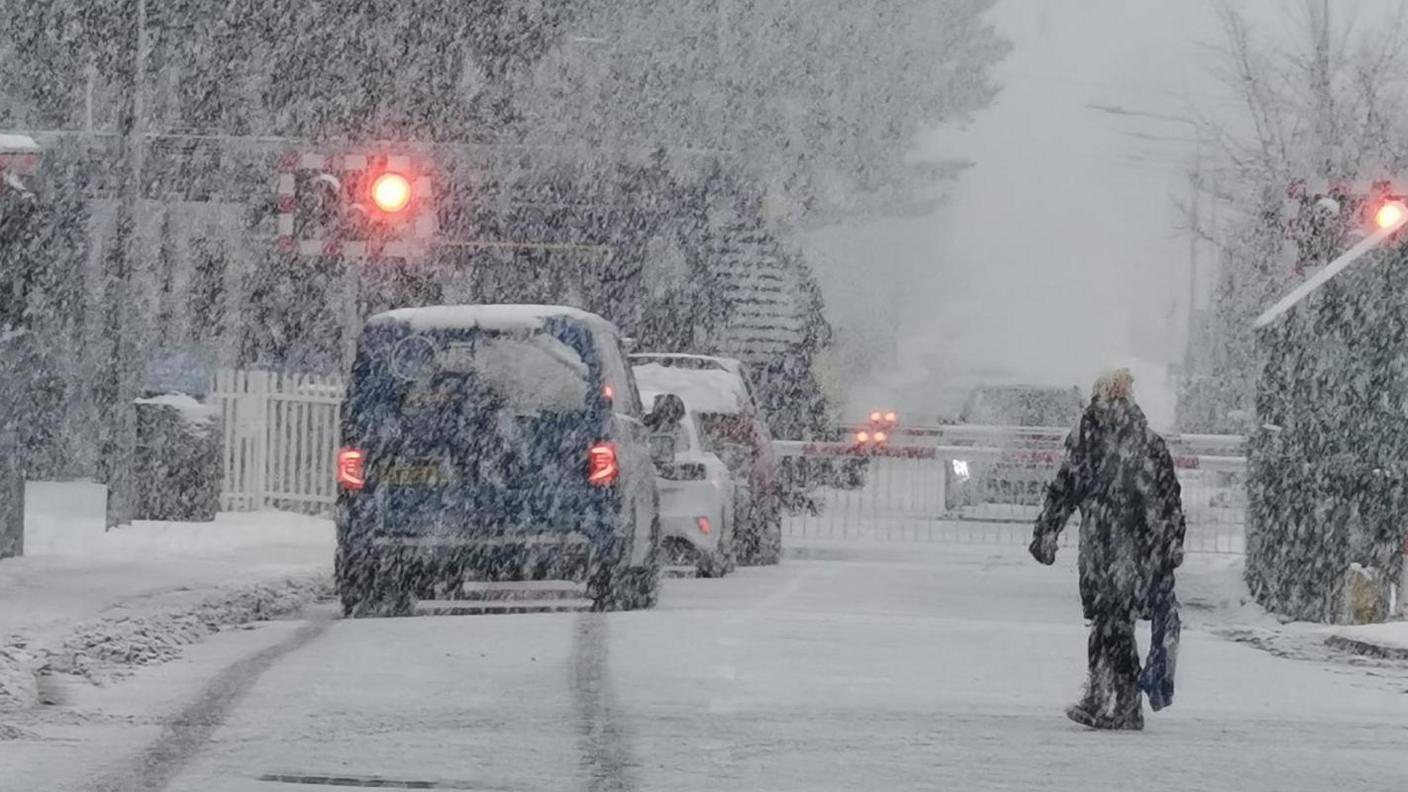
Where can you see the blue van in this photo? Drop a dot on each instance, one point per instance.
(495, 443)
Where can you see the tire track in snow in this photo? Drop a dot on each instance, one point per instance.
(185, 734)
(607, 761)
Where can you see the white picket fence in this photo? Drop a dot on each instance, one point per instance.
(281, 434)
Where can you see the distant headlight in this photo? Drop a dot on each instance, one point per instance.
(960, 469)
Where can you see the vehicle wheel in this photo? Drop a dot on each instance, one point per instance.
(770, 544)
(623, 588)
(745, 535)
(759, 538)
(720, 563)
(371, 585)
(717, 566)
(645, 582)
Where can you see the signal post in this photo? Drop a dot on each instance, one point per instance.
(360, 208)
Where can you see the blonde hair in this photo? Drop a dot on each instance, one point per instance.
(1114, 386)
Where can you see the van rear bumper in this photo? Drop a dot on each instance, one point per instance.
(542, 541)
(418, 560)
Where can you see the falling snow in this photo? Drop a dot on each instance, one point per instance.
(314, 314)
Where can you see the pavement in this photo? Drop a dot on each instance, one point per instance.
(94, 603)
(856, 667)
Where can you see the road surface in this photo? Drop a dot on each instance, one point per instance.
(950, 672)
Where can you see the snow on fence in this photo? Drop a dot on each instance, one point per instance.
(990, 494)
(281, 434)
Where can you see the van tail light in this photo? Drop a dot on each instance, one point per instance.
(351, 469)
(602, 470)
(703, 523)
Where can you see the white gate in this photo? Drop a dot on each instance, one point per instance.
(985, 485)
(281, 434)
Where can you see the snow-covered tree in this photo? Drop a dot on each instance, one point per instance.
(1327, 382)
(820, 99)
(1327, 106)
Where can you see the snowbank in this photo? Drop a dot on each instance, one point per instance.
(1388, 640)
(93, 603)
(135, 634)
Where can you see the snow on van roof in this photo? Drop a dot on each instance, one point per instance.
(703, 390)
(486, 317)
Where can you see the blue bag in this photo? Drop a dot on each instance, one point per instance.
(1156, 680)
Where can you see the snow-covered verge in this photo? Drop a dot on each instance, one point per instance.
(95, 604)
(110, 646)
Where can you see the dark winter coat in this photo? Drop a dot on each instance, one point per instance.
(1121, 477)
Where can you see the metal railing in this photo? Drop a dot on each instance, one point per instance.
(982, 494)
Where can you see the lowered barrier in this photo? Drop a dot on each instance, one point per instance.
(954, 484)
(986, 494)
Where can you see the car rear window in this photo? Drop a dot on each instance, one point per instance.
(720, 429)
(1024, 407)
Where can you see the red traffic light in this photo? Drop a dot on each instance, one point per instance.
(391, 192)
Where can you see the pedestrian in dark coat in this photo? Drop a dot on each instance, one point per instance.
(1121, 477)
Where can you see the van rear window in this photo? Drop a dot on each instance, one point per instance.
(527, 374)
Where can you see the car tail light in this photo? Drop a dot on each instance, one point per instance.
(602, 470)
(703, 523)
(351, 469)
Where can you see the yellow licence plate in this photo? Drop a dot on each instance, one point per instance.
(413, 476)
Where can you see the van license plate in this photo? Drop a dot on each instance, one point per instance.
(413, 476)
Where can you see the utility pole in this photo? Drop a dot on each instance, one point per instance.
(119, 424)
(723, 29)
(1190, 363)
(1198, 140)
(1324, 98)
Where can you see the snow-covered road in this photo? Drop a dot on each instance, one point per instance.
(945, 673)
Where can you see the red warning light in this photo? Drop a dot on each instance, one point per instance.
(1391, 214)
(391, 192)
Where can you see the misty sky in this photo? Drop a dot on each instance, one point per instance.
(1061, 253)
